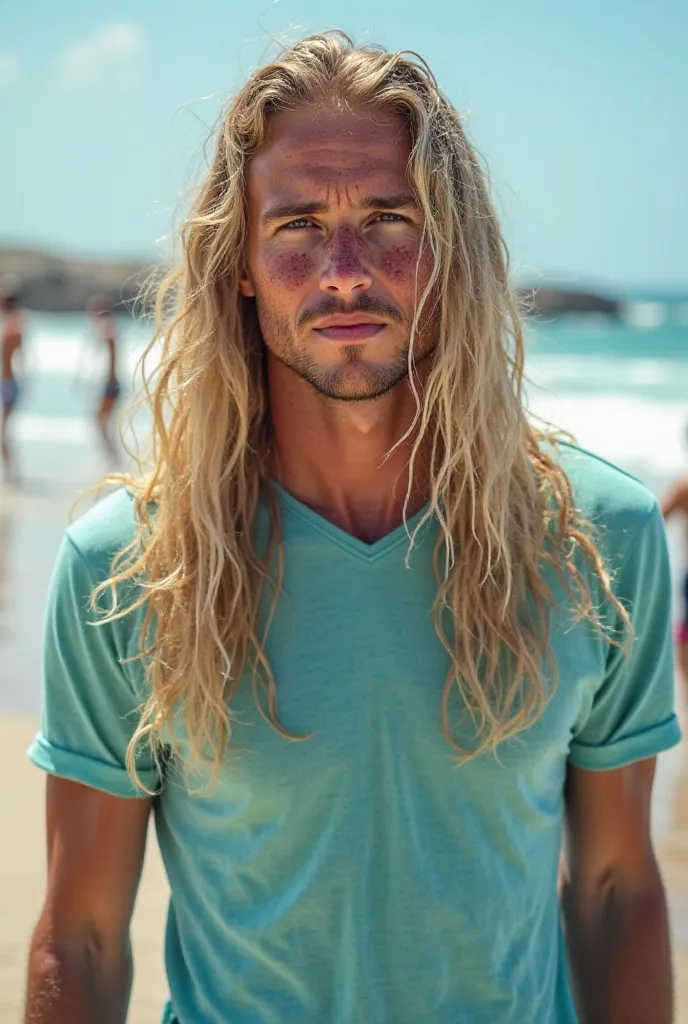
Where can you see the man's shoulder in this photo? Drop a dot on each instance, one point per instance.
(616, 503)
(104, 530)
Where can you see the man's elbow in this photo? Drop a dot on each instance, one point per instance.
(73, 972)
(614, 894)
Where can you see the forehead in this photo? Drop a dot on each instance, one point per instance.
(314, 148)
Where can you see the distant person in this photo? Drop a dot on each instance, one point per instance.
(11, 333)
(106, 330)
(371, 644)
(676, 502)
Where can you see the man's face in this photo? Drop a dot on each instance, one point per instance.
(334, 257)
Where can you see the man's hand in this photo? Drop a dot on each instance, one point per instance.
(80, 966)
(613, 899)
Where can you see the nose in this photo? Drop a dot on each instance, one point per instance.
(345, 272)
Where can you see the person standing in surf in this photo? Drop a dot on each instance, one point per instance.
(11, 335)
(106, 332)
(675, 503)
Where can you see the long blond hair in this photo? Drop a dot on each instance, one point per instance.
(502, 501)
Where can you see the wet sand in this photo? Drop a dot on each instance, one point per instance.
(31, 526)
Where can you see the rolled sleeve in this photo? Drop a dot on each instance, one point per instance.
(90, 705)
(632, 713)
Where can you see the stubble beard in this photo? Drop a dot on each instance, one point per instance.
(354, 380)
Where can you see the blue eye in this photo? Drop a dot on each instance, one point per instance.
(395, 217)
(298, 224)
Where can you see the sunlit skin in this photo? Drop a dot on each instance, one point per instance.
(335, 264)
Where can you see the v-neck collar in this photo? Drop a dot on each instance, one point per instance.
(366, 552)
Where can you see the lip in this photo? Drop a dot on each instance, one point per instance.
(360, 331)
(348, 320)
(349, 326)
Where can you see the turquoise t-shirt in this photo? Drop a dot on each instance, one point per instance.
(360, 875)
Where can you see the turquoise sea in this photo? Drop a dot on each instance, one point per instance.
(620, 386)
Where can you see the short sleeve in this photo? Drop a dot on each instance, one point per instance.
(632, 714)
(90, 704)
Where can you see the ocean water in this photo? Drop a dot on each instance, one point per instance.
(620, 387)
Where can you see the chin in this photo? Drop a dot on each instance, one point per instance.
(362, 384)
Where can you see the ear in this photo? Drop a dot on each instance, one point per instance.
(246, 284)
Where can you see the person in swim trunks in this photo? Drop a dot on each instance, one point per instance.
(682, 628)
(676, 501)
(106, 329)
(10, 344)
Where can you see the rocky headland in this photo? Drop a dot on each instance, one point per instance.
(59, 284)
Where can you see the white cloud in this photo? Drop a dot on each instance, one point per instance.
(9, 70)
(111, 55)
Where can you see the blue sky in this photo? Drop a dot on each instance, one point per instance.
(579, 109)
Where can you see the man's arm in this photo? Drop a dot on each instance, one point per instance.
(613, 899)
(80, 966)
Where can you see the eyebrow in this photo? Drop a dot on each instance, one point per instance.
(284, 210)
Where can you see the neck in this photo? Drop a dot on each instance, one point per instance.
(334, 456)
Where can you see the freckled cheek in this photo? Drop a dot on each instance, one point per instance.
(288, 271)
(399, 263)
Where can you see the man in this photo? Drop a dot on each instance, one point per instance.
(10, 345)
(106, 331)
(363, 647)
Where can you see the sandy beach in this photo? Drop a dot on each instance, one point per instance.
(22, 878)
(31, 525)
(32, 522)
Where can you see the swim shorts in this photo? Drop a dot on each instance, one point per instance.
(10, 393)
(112, 389)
